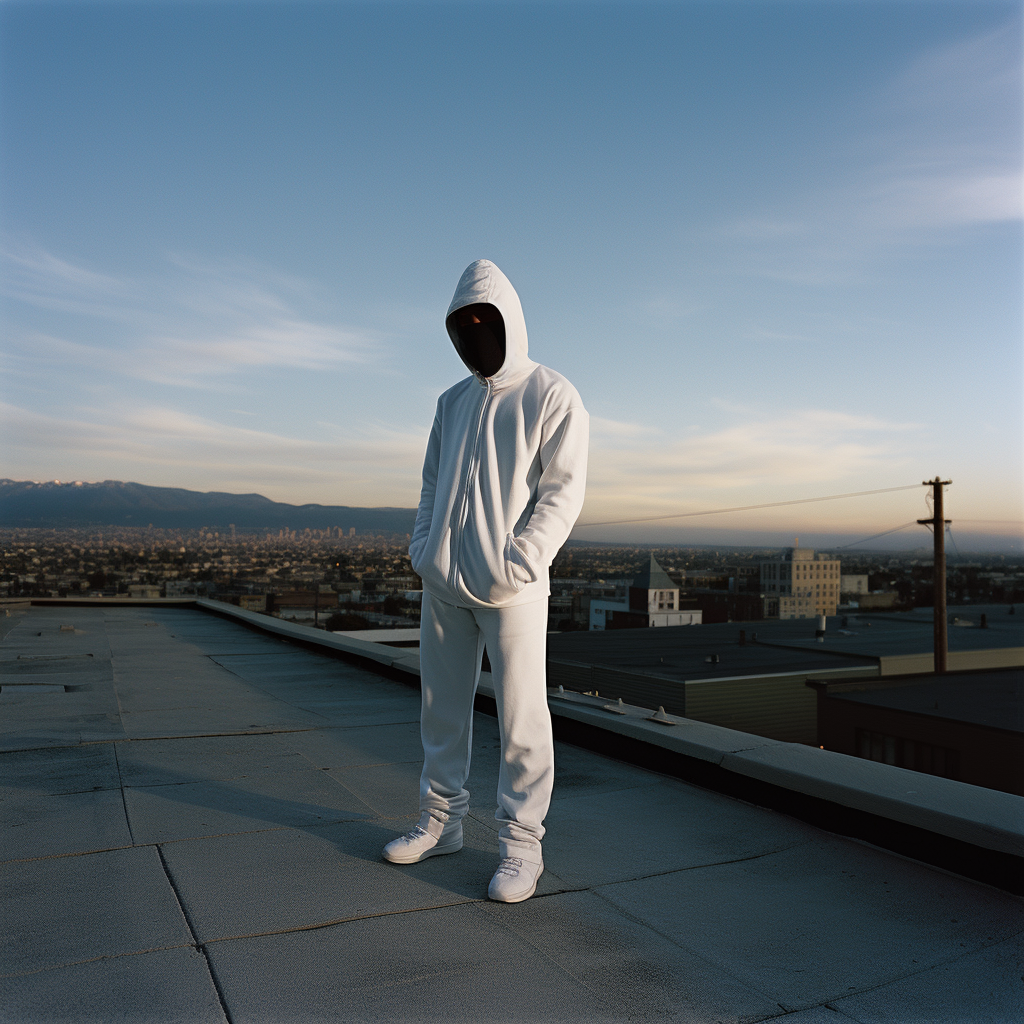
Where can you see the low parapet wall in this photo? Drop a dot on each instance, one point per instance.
(775, 704)
(912, 664)
(973, 831)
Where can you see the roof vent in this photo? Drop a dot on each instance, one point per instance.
(660, 717)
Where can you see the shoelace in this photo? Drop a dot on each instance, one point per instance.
(414, 833)
(509, 866)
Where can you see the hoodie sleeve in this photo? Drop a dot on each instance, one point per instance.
(425, 510)
(560, 492)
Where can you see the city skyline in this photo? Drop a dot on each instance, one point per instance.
(778, 252)
(57, 506)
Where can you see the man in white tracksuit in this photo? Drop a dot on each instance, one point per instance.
(503, 483)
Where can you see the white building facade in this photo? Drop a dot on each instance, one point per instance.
(807, 584)
(651, 600)
(853, 584)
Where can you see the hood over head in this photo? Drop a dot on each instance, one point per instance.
(483, 283)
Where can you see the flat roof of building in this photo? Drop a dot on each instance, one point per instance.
(192, 819)
(788, 645)
(993, 698)
(894, 633)
(682, 652)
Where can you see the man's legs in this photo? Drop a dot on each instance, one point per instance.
(451, 646)
(516, 642)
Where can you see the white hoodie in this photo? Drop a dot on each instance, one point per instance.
(505, 469)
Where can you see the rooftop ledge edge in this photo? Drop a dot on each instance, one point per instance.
(980, 817)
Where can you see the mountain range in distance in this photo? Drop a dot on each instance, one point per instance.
(58, 505)
(25, 504)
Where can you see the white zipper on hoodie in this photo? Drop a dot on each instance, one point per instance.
(470, 480)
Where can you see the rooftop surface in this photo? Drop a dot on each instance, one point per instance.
(680, 652)
(192, 816)
(994, 699)
(882, 633)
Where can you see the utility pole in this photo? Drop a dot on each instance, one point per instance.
(938, 525)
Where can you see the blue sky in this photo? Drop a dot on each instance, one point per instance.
(776, 246)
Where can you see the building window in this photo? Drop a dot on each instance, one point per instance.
(916, 755)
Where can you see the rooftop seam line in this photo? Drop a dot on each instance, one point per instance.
(74, 853)
(922, 968)
(196, 944)
(124, 801)
(183, 839)
(96, 959)
(222, 835)
(177, 896)
(221, 998)
(710, 864)
(174, 736)
(338, 921)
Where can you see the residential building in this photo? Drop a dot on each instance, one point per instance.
(652, 599)
(853, 584)
(807, 584)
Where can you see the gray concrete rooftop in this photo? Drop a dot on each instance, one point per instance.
(192, 815)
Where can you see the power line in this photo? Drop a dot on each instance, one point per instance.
(953, 539)
(875, 536)
(1016, 522)
(748, 508)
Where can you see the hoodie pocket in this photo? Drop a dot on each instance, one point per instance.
(433, 562)
(517, 571)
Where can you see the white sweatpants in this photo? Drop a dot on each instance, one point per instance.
(452, 641)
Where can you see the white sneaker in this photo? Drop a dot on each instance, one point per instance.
(515, 880)
(430, 838)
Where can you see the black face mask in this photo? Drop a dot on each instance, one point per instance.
(482, 344)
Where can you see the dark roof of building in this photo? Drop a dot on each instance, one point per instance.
(789, 645)
(653, 577)
(684, 652)
(993, 697)
(888, 633)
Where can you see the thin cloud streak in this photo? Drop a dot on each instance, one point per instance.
(199, 324)
(757, 457)
(949, 159)
(379, 465)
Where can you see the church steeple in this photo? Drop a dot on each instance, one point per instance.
(653, 590)
(653, 577)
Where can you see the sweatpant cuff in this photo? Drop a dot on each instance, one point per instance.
(528, 852)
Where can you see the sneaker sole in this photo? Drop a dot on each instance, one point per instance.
(434, 851)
